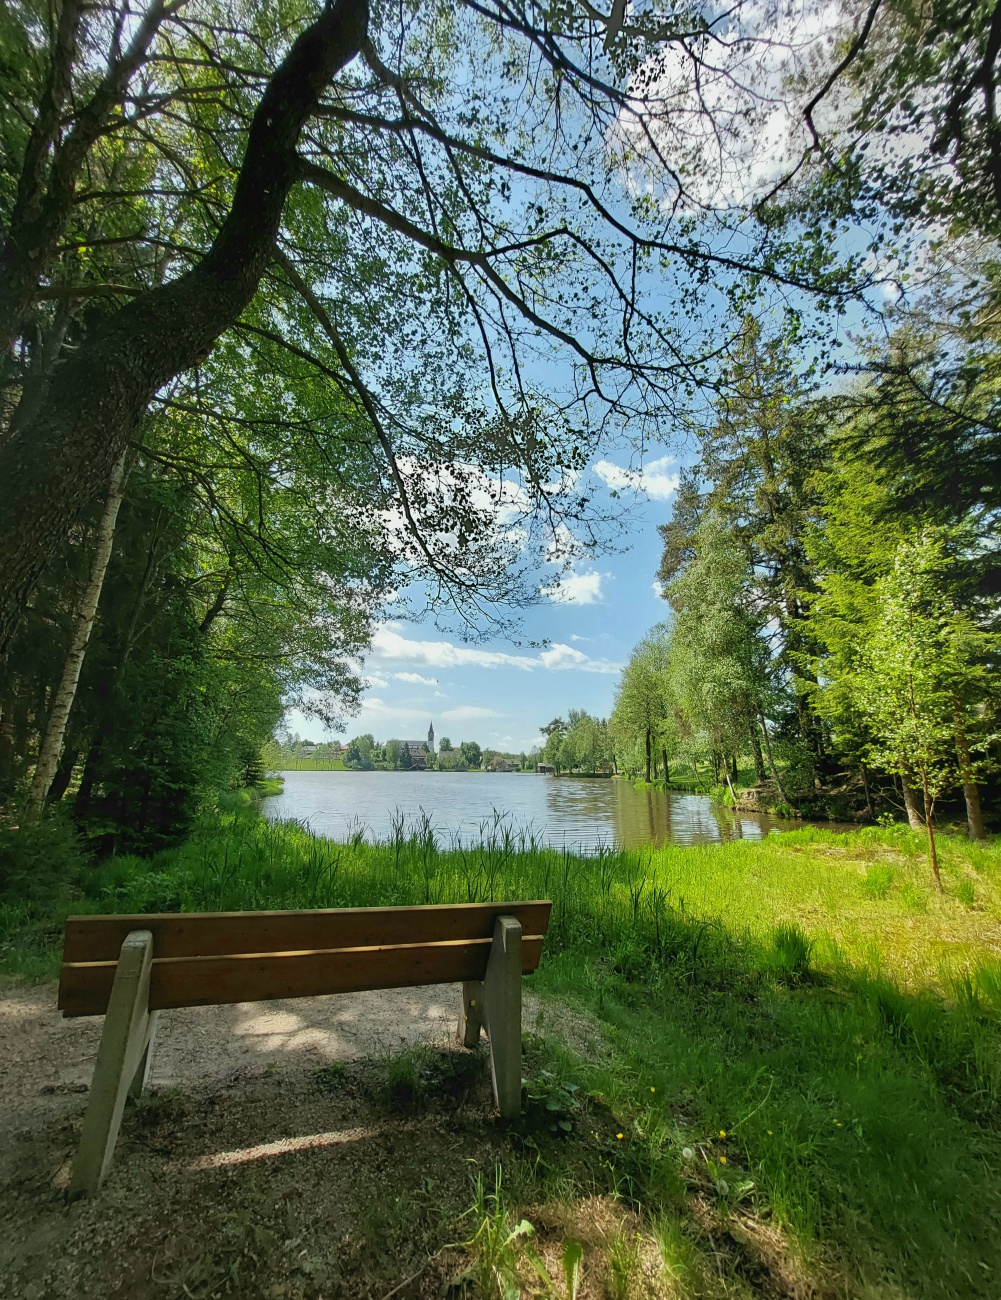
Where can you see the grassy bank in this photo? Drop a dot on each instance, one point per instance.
(797, 1039)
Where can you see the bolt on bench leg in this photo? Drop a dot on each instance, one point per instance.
(502, 1014)
(122, 1062)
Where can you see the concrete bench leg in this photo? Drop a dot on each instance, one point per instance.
(502, 1014)
(471, 1015)
(122, 1059)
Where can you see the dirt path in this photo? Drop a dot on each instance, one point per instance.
(47, 1060)
(249, 1168)
(318, 1149)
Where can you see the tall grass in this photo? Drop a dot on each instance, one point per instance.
(801, 1029)
(863, 898)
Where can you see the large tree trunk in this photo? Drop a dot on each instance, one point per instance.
(55, 156)
(62, 702)
(974, 815)
(648, 756)
(59, 463)
(915, 817)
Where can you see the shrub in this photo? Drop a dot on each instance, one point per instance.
(35, 860)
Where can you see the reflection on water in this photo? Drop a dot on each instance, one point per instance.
(573, 811)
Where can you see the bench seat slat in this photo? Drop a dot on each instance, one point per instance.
(85, 987)
(207, 934)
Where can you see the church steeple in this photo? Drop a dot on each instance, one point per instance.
(430, 737)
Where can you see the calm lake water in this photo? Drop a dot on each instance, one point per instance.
(571, 811)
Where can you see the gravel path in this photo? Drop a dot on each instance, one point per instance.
(47, 1061)
(246, 1170)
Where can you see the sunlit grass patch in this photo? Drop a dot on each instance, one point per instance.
(782, 1055)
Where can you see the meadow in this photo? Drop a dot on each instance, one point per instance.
(796, 1041)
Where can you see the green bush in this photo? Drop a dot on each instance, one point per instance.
(35, 861)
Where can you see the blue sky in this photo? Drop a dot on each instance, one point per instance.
(500, 692)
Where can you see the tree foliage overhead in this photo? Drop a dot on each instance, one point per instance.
(424, 208)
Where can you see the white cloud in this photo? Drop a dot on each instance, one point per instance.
(657, 588)
(373, 679)
(576, 588)
(653, 479)
(388, 645)
(562, 656)
(738, 126)
(416, 678)
(734, 122)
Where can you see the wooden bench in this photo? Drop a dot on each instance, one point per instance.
(129, 968)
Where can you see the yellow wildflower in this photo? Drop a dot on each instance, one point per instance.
(722, 1160)
(620, 1136)
(722, 1132)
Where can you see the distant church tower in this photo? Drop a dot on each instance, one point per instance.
(430, 737)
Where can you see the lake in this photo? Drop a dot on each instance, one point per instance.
(578, 812)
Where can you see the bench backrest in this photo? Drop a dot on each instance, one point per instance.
(209, 958)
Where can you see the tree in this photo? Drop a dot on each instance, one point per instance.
(51, 745)
(920, 677)
(359, 753)
(641, 700)
(471, 754)
(553, 751)
(199, 167)
(720, 667)
(761, 451)
(585, 746)
(54, 461)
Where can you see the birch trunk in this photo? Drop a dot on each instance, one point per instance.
(915, 817)
(62, 703)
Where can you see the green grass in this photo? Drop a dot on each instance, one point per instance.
(810, 997)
